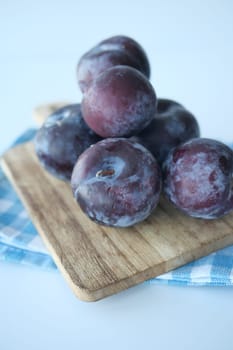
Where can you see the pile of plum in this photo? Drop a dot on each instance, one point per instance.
(122, 145)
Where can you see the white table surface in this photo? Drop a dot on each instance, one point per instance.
(190, 47)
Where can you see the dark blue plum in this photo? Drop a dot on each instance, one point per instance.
(116, 182)
(171, 126)
(117, 50)
(61, 139)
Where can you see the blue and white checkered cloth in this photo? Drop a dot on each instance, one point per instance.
(20, 243)
(19, 240)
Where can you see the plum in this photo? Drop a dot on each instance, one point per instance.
(171, 126)
(116, 182)
(198, 178)
(133, 49)
(117, 50)
(119, 103)
(61, 139)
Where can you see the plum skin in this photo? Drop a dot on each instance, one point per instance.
(117, 50)
(198, 178)
(116, 182)
(61, 139)
(171, 126)
(119, 103)
(131, 47)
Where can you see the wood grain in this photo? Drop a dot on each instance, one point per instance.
(98, 261)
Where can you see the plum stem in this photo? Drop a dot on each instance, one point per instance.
(105, 172)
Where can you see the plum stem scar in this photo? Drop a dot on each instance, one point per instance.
(105, 172)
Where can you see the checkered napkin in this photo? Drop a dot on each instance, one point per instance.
(20, 243)
(19, 240)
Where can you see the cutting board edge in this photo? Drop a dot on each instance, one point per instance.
(91, 295)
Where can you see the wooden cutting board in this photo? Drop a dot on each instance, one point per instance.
(98, 261)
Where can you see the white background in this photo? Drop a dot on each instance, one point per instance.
(190, 47)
